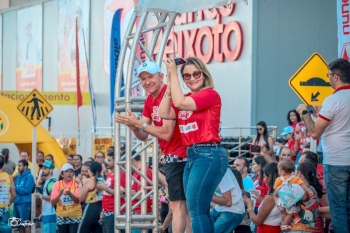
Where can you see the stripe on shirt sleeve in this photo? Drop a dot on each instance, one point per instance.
(323, 117)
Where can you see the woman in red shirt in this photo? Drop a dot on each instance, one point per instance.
(198, 114)
(261, 187)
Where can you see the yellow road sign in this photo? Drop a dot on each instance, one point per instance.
(310, 82)
(35, 107)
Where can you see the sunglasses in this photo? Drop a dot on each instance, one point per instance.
(196, 75)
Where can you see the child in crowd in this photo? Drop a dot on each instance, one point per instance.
(289, 189)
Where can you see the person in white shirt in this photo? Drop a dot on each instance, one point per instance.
(229, 211)
(332, 126)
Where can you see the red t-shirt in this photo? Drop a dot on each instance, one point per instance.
(151, 110)
(108, 199)
(263, 189)
(202, 125)
(136, 187)
(291, 145)
(321, 177)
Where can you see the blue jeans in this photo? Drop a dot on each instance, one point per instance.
(337, 179)
(225, 222)
(4, 225)
(204, 170)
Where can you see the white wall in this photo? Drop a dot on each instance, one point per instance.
(232, 79)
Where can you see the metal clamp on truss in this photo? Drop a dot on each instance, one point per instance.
(136, 104)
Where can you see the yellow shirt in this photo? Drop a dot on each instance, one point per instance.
(5, 184)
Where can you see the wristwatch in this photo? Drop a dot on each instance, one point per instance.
(304, 112)
(143, 127)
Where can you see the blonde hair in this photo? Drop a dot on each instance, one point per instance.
(208, 80)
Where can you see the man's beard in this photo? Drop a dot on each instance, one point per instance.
(44, 175)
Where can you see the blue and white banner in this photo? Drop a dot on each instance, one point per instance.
(115, 48)
(343, 19)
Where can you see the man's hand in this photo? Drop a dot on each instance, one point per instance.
(101, 186)
(317, 109)
(36, 195)
(301, 108)
(129, 119)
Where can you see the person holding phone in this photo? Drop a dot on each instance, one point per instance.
(263, 138)
(332, 126)
(198, 113)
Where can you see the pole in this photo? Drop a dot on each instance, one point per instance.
(33, 170)
(313, 141)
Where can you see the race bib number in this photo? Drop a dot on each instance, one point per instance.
(66, 200)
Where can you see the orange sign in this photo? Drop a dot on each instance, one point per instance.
(310, 82)
(102, 144)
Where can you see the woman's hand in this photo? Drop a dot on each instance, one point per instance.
(247, 202)
(170, 66)
(77, 180)
(168, 83)
(297, 136)
(256, 195)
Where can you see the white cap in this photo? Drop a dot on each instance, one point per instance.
(66, 167)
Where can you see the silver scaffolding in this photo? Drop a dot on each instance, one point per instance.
(165, 12)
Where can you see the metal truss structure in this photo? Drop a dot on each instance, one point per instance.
(131, 41)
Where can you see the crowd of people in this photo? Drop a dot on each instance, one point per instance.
(285, 188)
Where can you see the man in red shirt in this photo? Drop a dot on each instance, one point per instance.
(168, 134)
(108, 195)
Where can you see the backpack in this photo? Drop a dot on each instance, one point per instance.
(51, 180)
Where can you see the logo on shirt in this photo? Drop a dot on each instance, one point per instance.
(189, 127)
(155, 115)
(184, 115)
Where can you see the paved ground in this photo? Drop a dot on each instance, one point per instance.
(37, 230)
